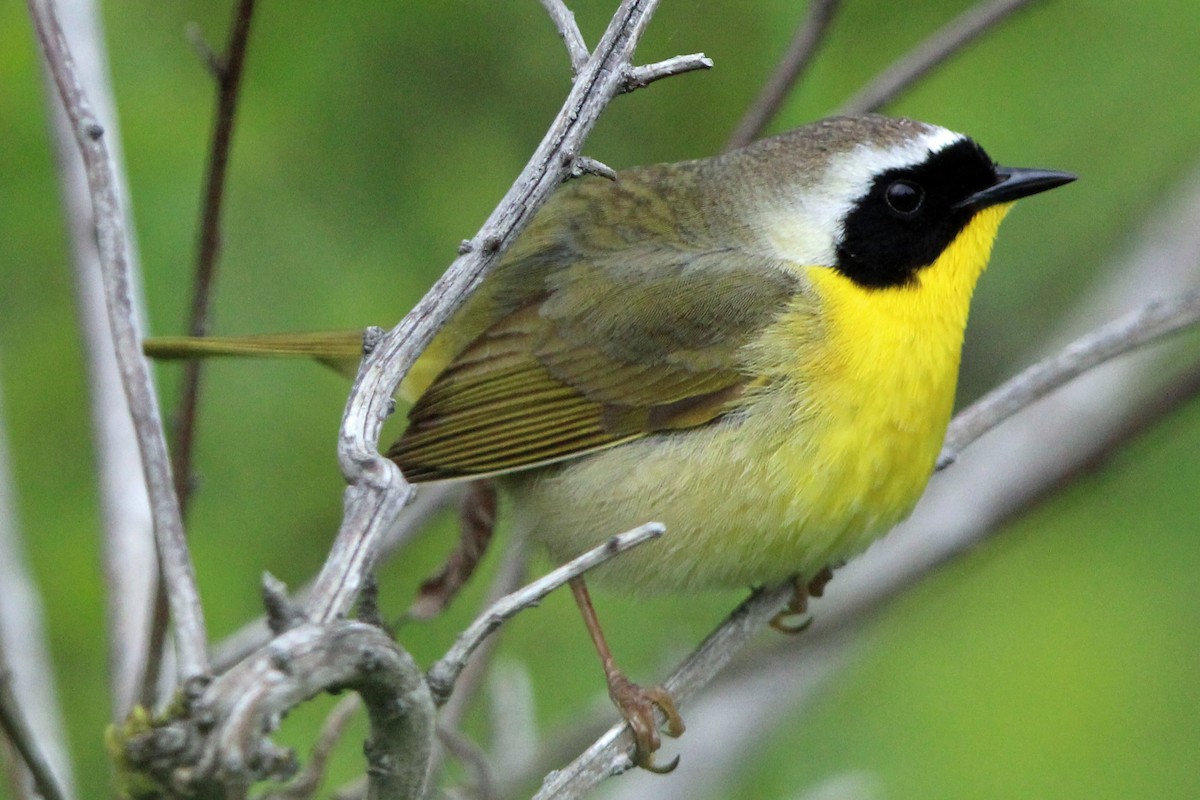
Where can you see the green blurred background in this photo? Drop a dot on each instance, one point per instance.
(1061, 660)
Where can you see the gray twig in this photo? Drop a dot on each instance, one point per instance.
(931, 53)
(444, 673)
(110, 230)
(130, 561)
(799, 55)
(1152, 322)
(568, 29)
(639, 77)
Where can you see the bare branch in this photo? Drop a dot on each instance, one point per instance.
(228, 73)
(12, 722)
(795, 61)
(639, 77)
(931, 53)
(1153, 321)
(568, 29)
(114, 258)
(226, 733)
(583, 165)
(377, 491)
(130, 561)
(444, 674)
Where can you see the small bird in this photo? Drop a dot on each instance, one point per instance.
(759, 350)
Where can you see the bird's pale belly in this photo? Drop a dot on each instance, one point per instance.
(784, 489)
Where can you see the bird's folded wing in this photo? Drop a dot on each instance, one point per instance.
(605, 354)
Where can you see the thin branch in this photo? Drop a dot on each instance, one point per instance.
(227, 72)
(135, 377)
(444, 674)
(568, 29)
(510, 577)
(377, 491)
(12, 722)
(1153, 321)
(129, 557)
(642, 76)
(931, 53)
(803, 47)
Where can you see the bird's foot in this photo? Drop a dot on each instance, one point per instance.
(637, 704)
(797, 607)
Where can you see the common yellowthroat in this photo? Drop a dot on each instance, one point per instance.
(758, 349)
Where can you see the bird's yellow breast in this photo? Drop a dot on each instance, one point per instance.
(833, 451)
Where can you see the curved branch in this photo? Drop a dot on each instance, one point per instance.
(247, 703)
(568, 29)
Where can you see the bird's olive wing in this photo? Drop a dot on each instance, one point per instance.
(605, 354)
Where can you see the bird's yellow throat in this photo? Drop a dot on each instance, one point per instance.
(890, 371)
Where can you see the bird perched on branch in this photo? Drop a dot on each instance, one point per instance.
(759, 350)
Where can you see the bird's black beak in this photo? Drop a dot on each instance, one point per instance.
(1013, 183)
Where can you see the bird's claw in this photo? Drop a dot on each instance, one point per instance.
(781, 622)
(637, 704)
(798, 605)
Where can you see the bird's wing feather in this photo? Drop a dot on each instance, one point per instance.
(604, 353)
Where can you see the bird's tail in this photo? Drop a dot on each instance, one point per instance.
(341, 350)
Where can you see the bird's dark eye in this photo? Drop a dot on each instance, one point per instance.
(904, 197)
